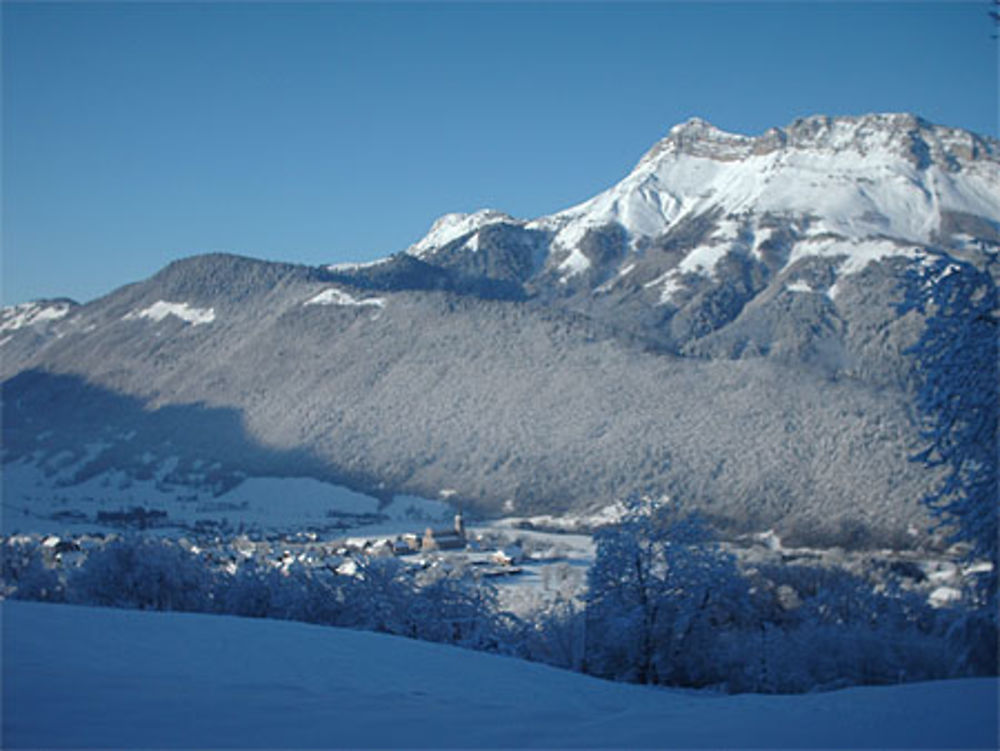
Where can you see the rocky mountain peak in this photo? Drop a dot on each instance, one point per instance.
(455, 225)
(698, 137)
(893, 134)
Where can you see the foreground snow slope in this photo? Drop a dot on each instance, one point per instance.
(84, 677)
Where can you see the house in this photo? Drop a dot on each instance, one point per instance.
(406, 544)
(446, 539)
(380, 548)
(509, 555)
(348, 567)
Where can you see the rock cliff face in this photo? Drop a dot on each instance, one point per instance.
(717, 326)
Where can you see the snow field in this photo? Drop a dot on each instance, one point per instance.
(32, 502)
(79, 677)
(334, 296)
(182, 310)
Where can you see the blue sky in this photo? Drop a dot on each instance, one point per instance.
(134, 134)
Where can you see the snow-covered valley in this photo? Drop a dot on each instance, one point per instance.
(301, 521)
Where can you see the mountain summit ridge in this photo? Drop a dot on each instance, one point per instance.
(901, 134)
(858, 132)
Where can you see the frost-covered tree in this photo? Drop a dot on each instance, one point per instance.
(956, 367)
(444, 607)
(658, 594)
(622, 599)
(456, 611)
(253, 592)
(379, 596)
(25, 575)
(143, 573)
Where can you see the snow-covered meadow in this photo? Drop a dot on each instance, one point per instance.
(36, 500)
(77, 677)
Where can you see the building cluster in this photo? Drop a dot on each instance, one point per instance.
(306, 550)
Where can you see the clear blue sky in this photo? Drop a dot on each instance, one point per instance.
(134, 134)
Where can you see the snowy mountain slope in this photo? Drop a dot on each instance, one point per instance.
(718, 326)
(514, 406)
(86, 678)
(26, 327)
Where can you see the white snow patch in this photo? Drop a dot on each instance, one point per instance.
(611, 513)
(671, 287)
(799, 286)
(357, 265)
(761, 236)
(703, 259)
(658, 280)
(857, 253)
(14, 317)
(334, 296)
(571, 235)
(622, 272)
(575, 263)
(726, 230)
(161, 309)
(669, 282)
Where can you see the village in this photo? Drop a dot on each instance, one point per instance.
(488, 555)
(530, 561)
(528, 567)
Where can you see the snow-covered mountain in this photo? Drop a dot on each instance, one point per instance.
(718, 325)
(850, 179)
(847, 179)
(713, 228)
